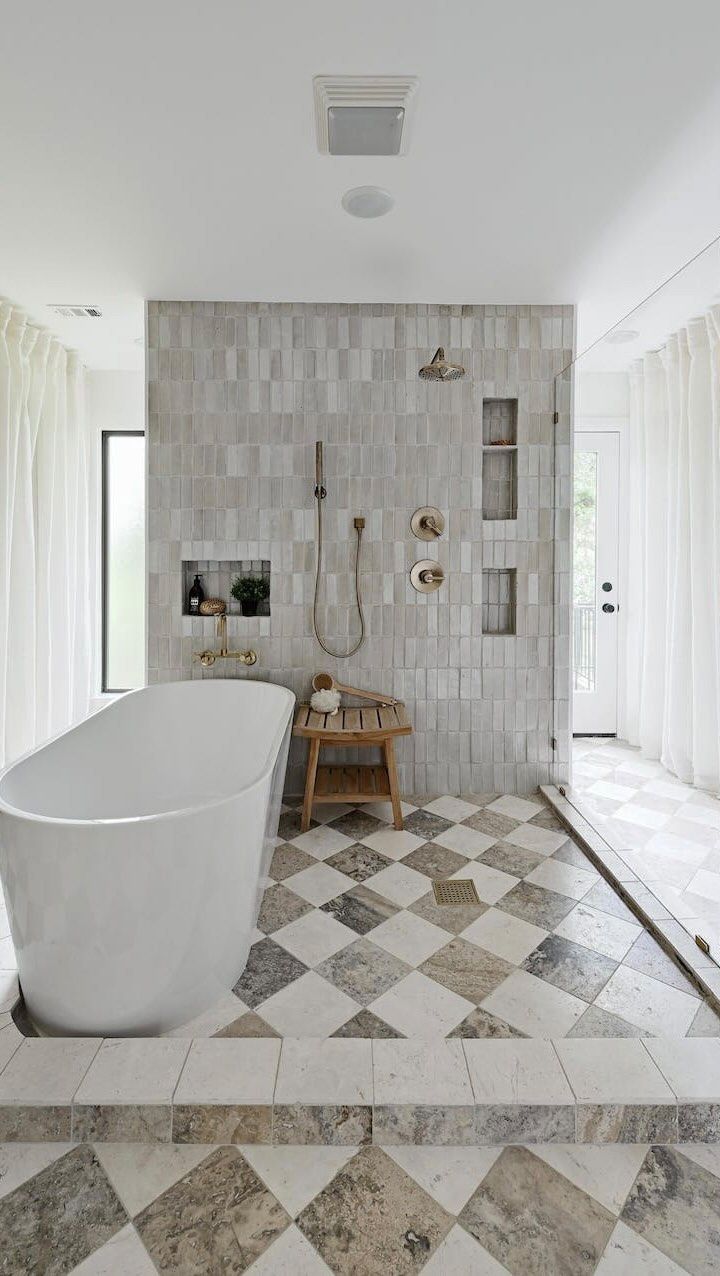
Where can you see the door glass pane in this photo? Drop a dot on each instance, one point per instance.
(585, 571)
(124, 562)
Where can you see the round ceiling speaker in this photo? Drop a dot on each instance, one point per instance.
(367, 201)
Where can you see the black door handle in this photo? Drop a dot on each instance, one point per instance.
(608, 607)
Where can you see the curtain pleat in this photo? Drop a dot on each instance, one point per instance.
(46, 588)
(670, 690)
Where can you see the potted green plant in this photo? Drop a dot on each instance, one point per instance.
(249, 591)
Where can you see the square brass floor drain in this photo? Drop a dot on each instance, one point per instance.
(458, 892)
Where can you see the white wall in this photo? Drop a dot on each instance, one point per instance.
(113, 401)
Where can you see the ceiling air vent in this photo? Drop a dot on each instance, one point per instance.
(363, 114)
(77, 312)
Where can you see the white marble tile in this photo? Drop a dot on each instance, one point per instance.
(219, 1015)
(46, 1070)
(291, 1255)
(563, 878)
(322, 842)
(705, 883)
(449, 1174)
(7, 954)
(451, 808)
(464, 840)
(508, 937)
(461, 1255)
(642, 816)
(516, 808)
(410, 937)
(627, 1254)
(398, 883)
(593, 929)
(608, 789)
(21, 1161)
(314, 937)
(612, 1070)
(516, 1072)
(325, 1071)
(534, 1006)
(395, 843)
(9, 989)
(140, 1172)
(229, 1070)
(700, 813)
(124, 1253)
(10, 1041)
(705, 1154)
(324, 812)
(490, 883)
(415, 1072)
(308, 1007)
(421, 1008)
(648, 1003)
(384, 811)
(295, 1173)
(134, 1070)
(532, 837)
(605, 1173)
(319, 883)
(690, 1065)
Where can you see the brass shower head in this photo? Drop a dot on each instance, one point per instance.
(440, 370)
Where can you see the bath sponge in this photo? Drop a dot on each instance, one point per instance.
(325, 701)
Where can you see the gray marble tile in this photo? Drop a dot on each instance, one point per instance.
(122, 1123)
(534, 1221)
(601, 1023)
(222, 1123)
(491, 823)
(269, 969)
(525, 1123)
(358, 862)
(53, 1221)
(289, 825)
(603, 896)
(469, 971)
(425, 824)
(536, 904)
(480, 1023)
(366, 1024)
(363, 971)
(383, 1211)
(451, 1125)
(435, 861)
(247, 1025)
(626, 1123)
(649, 958)
(287, 860)
(675, 1205)
(333, 1124)
(357, 824)
(279, 907)
(35, 1123)
(361, 909)
(219, 1218)
(546, 819)
(706, 1022)
(569, 966)
(569, 853)
(511, 859)
(699, 1123)
(453, 918)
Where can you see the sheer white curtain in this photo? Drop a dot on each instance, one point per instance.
(670, 689)
(47, 594)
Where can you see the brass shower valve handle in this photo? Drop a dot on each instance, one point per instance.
(427, 523)
(426, 576)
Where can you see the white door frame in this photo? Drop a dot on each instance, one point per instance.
(596, 712)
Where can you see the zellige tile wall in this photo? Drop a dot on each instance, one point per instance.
(237, 395)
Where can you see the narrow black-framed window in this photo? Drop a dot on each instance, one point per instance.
(123, 559)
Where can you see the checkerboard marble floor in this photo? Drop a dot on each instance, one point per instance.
(133, 1210)
(666, 832)
(352, 944)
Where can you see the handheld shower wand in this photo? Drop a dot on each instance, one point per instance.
(359, 523)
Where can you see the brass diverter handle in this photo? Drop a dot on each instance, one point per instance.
(427, 523)
(426, 576)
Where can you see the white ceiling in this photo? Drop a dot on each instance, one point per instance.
(561, 151)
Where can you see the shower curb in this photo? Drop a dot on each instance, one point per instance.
(669, 933)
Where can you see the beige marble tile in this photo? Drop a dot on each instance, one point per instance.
(133, 1070)
(229, 1071)
(608, 1071)
(139, 1173)
(516, 1072)
(45, 1070)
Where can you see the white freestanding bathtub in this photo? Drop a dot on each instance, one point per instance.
(132, 853)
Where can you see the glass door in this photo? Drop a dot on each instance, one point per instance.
(595, 582)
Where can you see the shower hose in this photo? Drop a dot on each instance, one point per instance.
(338, 655)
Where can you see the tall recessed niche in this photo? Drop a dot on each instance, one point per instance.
(499, 478)
(498, 600)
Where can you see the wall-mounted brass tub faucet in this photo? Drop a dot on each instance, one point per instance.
(208, 658)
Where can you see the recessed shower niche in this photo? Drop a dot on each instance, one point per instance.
(498, 600)
(499, 475)
(217, 576)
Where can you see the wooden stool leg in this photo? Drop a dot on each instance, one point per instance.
(389, 748)
(310, 784)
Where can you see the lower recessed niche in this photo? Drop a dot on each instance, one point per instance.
(216, 578)
(498, 600)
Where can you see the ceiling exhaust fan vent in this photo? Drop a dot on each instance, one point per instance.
(77, 312)
(363, 114)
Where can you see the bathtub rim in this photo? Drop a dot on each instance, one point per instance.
(20, 813)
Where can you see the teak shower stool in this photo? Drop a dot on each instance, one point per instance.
(376, 727)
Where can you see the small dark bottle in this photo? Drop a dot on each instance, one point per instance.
(196, 597)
